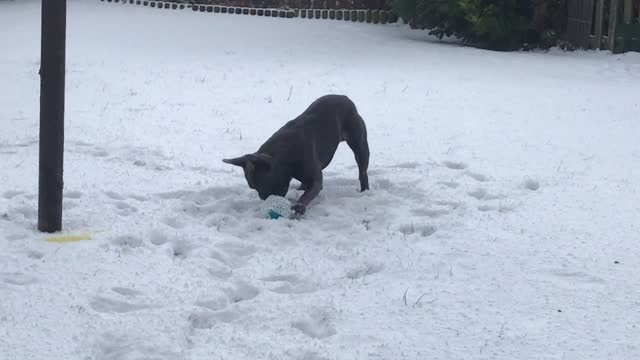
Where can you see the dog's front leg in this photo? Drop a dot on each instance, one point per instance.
(314, 189)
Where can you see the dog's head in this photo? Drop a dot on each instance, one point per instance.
(262, 174)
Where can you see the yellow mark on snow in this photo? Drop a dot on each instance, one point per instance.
(69, 238)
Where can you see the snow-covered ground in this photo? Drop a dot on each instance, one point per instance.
(503, 220)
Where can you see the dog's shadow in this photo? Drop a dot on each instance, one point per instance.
(337, 188)
(239, 200)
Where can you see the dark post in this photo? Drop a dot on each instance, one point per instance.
(52, 67)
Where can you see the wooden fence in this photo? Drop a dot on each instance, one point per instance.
(296, 4)
(591, 24)
(604, 24)
(317, 9)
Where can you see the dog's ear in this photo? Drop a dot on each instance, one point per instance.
(247, 165)
(239, 161)
(260, 160)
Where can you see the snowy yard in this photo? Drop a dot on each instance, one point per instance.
(503, 220)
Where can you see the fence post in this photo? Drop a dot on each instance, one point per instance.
(52, 78)
(597, 42)
(613, 23)
(628, 9)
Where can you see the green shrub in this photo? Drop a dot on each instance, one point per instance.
(490, 24)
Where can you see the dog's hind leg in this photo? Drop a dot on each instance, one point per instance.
(357, 141)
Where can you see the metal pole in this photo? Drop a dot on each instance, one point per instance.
(52, 79)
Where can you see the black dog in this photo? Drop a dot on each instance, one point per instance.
(303, 147)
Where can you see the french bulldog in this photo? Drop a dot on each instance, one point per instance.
(303, 147)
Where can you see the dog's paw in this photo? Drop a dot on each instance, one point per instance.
(299, 209)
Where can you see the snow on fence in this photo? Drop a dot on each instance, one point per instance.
(375, 16)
